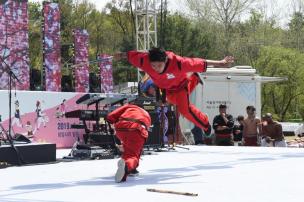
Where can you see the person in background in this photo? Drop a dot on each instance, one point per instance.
(131, 125)
(223, 126)
(197, 135)
(252, 127)
(272, 133)
(238, 130)
(147, 86)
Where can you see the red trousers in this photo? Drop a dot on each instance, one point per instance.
(180, 98)
(132, 142)
(251, 141)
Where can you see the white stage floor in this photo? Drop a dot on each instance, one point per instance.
(216, 174)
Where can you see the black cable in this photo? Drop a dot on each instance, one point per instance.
(111, 131)
(19, 158)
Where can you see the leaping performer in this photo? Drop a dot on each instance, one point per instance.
(177, 76)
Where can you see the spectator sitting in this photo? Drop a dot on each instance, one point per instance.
(272, 133)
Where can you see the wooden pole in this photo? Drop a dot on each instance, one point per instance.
(172, 192)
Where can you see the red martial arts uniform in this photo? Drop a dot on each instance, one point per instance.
(131, 125)
(175, 81)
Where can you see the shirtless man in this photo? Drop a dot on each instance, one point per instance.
(272, 133)
(252, 127)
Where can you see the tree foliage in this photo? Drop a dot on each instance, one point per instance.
(282, 62)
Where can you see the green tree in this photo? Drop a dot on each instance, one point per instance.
(187, 38)
(225, 12)
(35, 35)
(282, 62)
(179, 27)
(122, 18)
(250, 36)
(81, 13)
(296, 26)
(121, 37)
(66, 20)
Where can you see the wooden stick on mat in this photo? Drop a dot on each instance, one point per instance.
(172, 192)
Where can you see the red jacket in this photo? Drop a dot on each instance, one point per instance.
(130, 117)
(175, 73)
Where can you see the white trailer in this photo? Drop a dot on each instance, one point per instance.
(237, 87)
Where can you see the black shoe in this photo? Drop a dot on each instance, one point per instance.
(134, 173)
(199, 142)
(3, 165)
(208, 131)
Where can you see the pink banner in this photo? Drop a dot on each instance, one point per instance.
(51, 46)
(81, 68)
(49, 117)
(106, 76)
(14, 47)
(41, 117)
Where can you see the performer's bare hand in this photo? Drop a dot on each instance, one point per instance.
(120, 56)
(227, 61)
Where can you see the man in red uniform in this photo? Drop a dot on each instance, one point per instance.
(178, 77)
(131, 125)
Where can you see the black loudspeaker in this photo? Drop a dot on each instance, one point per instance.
(155, 138)
(101, 139)
(21, 138)
(30, 153)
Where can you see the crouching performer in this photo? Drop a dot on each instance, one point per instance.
(131, 124)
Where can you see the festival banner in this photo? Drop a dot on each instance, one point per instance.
(81, 60)
(51, 46)
(106, 76)
(14, 46)
(41, 115)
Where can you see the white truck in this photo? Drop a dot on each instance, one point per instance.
(237, 87)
